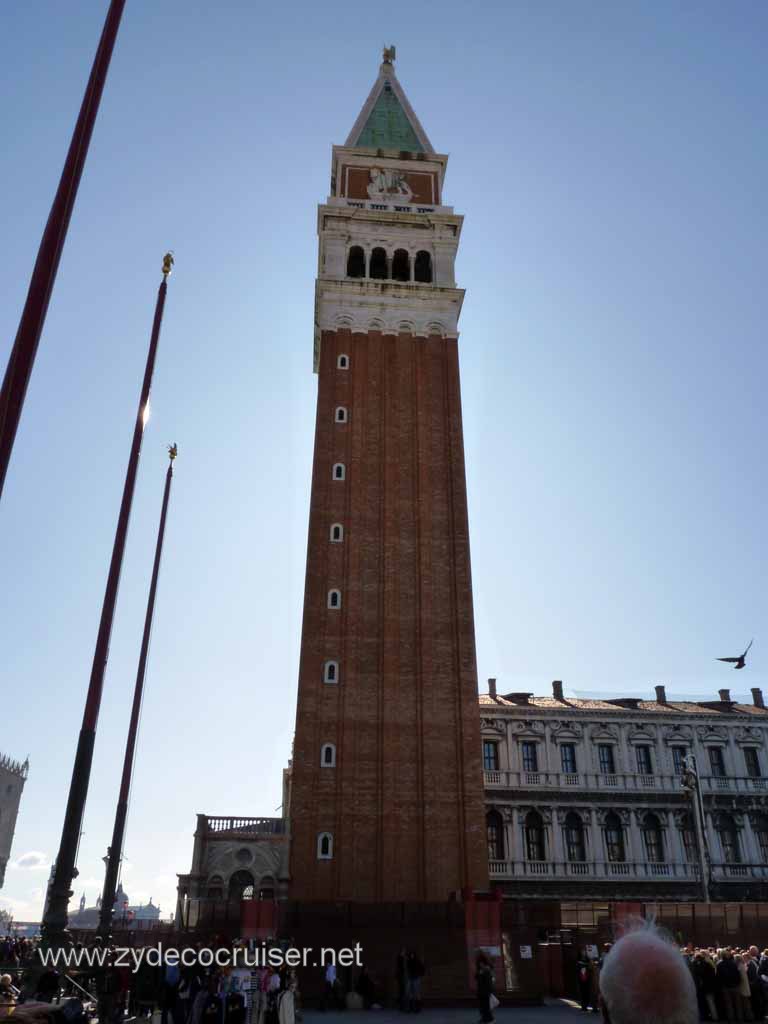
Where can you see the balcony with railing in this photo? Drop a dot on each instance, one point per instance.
(733, 784)
(633, 782)
(614, 781)
(247, 826)
(739, 872)
(594, 870)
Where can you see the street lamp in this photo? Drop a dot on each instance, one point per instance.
(692, 787)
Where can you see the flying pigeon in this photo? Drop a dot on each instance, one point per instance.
(741, 661)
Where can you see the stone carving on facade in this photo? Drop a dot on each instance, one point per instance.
(529, 727)
(562, 730)
(492, 725)
(387, 182)
(746, 734)
(672, 733)
(544, 812)
(584, 813)
(711, 733)
(604, 731)
(641, 734)
(621, 812)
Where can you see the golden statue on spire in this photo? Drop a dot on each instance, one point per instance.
(389, 54)
(168, 263)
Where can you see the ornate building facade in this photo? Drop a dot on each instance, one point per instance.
(585, 799)
(13, 775)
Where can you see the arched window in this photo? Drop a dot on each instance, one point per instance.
(379, 264)
(239, 884)
(331, 672)
(267, 888)
(334, 599)
(534, 836)
(324, 846)
(401, 265)
(575, 847)
(328, 756)
(341, 414)
(356, 262)
(726, 829)
(337, 533)
(653, 839)
(614, 838)
(422, 268)
(494, 828)
(343, 362)
(339, 471)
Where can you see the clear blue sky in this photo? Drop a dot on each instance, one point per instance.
(611, 161)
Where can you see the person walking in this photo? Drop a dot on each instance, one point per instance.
(415, 970)
(583, 979)
(484, 981)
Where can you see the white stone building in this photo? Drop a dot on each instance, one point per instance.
(584, 798)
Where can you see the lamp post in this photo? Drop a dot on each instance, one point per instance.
(55, 917)
(692, 787)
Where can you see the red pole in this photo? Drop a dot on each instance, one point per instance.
(55, 919)
(24, 349)
(121, 813)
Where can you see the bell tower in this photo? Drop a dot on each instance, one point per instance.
(387, 796)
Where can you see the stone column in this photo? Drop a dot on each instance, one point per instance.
(558, 846)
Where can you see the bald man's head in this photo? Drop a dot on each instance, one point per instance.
(645, 980)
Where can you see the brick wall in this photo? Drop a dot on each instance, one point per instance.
(405, 801)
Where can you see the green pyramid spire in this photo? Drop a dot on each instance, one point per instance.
(388, 126)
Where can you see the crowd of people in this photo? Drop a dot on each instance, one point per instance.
(722, 984)
(731, 983)
(181, 995)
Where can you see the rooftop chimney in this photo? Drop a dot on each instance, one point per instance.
(492, 688)
(661, 695)
(557, 689)
(725, 695)
(757, 697)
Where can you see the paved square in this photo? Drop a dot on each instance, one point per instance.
(557, 1012)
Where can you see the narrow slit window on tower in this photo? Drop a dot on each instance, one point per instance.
(422, 268)
(325, 846)
(331, 672)
(334, 599)
(337, 533)
(339, 471)
(328, 756)
(379, 264)
(341, 414)
(401, 266)
(356, 262)
(343, 362)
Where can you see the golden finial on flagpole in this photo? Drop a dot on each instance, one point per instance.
(168, 263)
(173, 451)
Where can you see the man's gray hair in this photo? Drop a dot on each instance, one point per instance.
(645, 980)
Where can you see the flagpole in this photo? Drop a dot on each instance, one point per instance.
(115, 852)
(55, 918)
(24, 349)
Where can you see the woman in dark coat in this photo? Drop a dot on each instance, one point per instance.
(484, 979)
